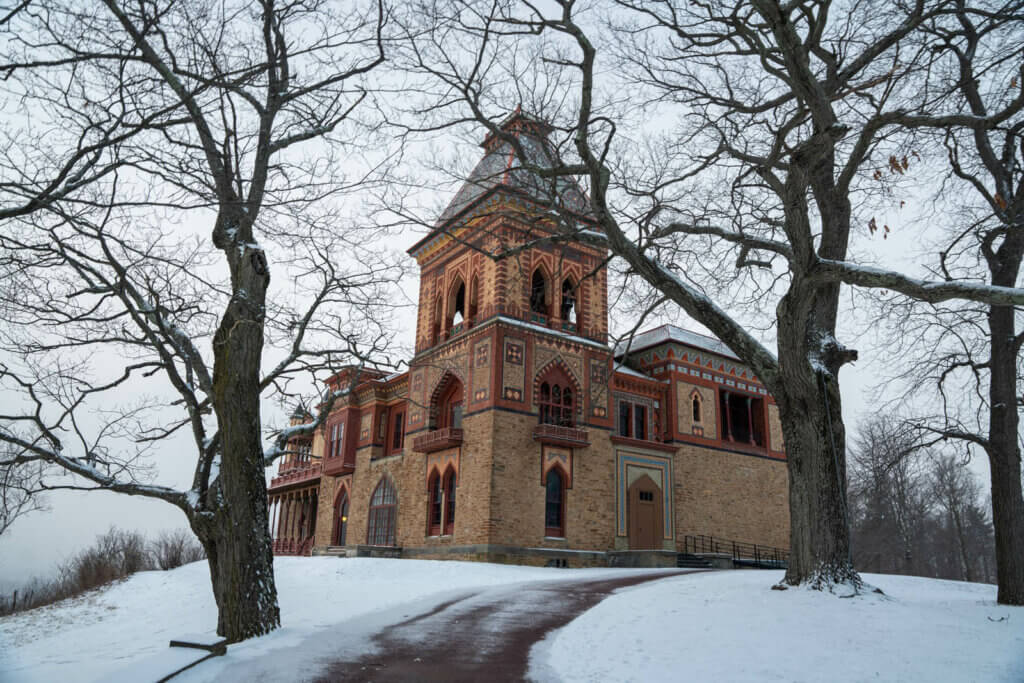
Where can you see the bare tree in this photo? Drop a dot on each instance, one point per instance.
(971, 354)
(779, 117)
(887, 497)
(133, 122)
(21, 486)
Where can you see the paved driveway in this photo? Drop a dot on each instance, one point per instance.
(483, 636)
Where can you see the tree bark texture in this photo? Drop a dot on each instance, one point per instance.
(810, 412)
(1004, 457)
(237, 539)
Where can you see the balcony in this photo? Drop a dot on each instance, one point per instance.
(297, 475)
(557, 435)
(338, 465)
(437, 440)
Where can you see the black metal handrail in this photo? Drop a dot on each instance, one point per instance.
(751, 554)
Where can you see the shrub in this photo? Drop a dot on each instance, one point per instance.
(174, 548)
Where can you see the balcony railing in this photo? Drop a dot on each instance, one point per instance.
(557, 435)
(438, 439)
(304, 472)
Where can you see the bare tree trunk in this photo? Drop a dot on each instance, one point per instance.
(812, 427)
(1004, 457)
(237, 541)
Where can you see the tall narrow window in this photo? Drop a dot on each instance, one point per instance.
(436, 507)
(381, 526)
(639, 422)
(449, 502)
(696, 408)
(624, 416)
(398, 431)
(538, 293)
(457, 305)
(554, 504)
(336, 434)
(568, 310)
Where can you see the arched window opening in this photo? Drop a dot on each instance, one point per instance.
(538, 293)
(435, 505)
(554, 504)
(383, 504)
(457, 305)
(342, 520)
(569, 310)
(556, 404)
(449, 502)
(449, 406)
(697, 417)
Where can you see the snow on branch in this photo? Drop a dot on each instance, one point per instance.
(827, 270)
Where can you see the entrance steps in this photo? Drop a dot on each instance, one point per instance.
(690, 561)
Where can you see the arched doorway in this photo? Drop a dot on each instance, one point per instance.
(646, 513)
(341, 520)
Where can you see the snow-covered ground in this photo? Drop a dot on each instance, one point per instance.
(91, 637)
(722, 626)
(730, 626)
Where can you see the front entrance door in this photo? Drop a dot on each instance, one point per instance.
(646, 515)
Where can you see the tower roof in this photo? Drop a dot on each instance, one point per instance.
(499, 170)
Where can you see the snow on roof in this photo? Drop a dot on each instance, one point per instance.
(671, 333)
(626, 370)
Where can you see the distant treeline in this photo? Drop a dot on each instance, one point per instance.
(917, 510)
(114, 555)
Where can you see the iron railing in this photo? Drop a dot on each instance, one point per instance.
(743, 554)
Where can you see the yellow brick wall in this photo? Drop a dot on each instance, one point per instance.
(739, 497)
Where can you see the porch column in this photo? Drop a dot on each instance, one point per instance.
(727, 416)
(750, 421)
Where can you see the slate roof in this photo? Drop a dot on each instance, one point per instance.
(671, 333)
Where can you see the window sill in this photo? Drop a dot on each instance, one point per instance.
(554, 538)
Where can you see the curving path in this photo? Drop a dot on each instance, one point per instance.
(481, 636)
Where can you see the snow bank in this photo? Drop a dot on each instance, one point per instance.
(731, 626)
(87, 638)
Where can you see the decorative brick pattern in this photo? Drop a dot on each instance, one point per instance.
(598, 387)
(708, 426)
(513, 371)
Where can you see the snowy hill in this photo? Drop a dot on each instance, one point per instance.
(724, 625)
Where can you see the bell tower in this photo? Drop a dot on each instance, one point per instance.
(485, 256)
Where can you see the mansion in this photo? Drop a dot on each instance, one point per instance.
(518, 434)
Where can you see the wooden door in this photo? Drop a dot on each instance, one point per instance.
(646, 515)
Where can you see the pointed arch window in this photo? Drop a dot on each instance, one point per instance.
(449, 502)
(436, 505)
(538, 293)
(570, 306)
(697, 408)
(383, 508)
(449, 406)
(456, 307)
(341, 520)
(554, 504)
(557, 403)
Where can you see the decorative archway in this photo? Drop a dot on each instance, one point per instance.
(339, 528)
(446, 401)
